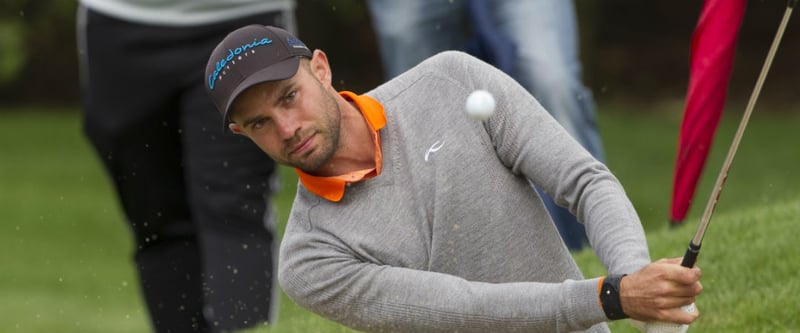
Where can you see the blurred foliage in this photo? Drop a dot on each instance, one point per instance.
(37, 46)
(632, 50)
(38, 13)
(12, 50)
(342, 28)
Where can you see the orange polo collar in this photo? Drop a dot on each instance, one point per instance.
(332, 188)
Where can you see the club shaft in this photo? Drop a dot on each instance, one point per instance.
(694, 247)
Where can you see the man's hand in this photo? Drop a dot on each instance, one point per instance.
(657, 292)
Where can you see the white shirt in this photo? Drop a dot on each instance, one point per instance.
(185, 12)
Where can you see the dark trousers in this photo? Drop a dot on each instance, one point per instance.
(195, 196)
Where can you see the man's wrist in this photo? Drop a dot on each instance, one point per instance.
(609, 297)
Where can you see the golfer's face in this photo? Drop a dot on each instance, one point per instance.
(295, 121)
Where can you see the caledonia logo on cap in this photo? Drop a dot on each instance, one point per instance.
(248, 56)
(232, 53)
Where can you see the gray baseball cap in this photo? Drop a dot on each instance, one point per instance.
(248, 56)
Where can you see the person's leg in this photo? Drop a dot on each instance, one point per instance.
(230, 186)
(411, 31)
(545, 32)
(230, 183)
(549, 67)
(132, 126)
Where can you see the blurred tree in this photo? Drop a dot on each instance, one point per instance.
(39, 61)
(632, 50)
(343, 30)
(12, 50)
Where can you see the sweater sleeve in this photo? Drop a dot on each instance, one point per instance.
(531, 143)
(323, 276)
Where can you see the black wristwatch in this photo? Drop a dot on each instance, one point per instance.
(609, 297)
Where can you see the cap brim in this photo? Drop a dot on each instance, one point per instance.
(279, 71)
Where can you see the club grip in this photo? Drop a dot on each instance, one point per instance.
(660, 327)
(690, 257)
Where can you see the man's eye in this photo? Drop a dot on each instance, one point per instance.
(290, 96)
(259, 123)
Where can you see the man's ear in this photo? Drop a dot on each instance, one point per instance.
(235, 128)
(320, 67)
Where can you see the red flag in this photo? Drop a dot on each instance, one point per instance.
(711, 62)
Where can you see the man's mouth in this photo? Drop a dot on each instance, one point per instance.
(303, 145)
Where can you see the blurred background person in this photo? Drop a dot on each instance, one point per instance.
(197, 199)
(534, 41)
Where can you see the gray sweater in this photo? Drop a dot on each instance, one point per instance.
(451, 237)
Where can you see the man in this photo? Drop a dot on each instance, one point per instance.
(203, 243)
(412, 217)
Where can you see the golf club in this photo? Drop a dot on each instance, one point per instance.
(693, 250)
(690, 257)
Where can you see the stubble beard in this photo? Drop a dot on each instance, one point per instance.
(328, 133)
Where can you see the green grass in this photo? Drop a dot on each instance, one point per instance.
(66, 260)
(749, 269)
(65, 252)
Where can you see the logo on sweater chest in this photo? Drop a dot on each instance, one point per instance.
(434, 148)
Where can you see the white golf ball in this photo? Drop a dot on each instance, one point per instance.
(480, 104)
